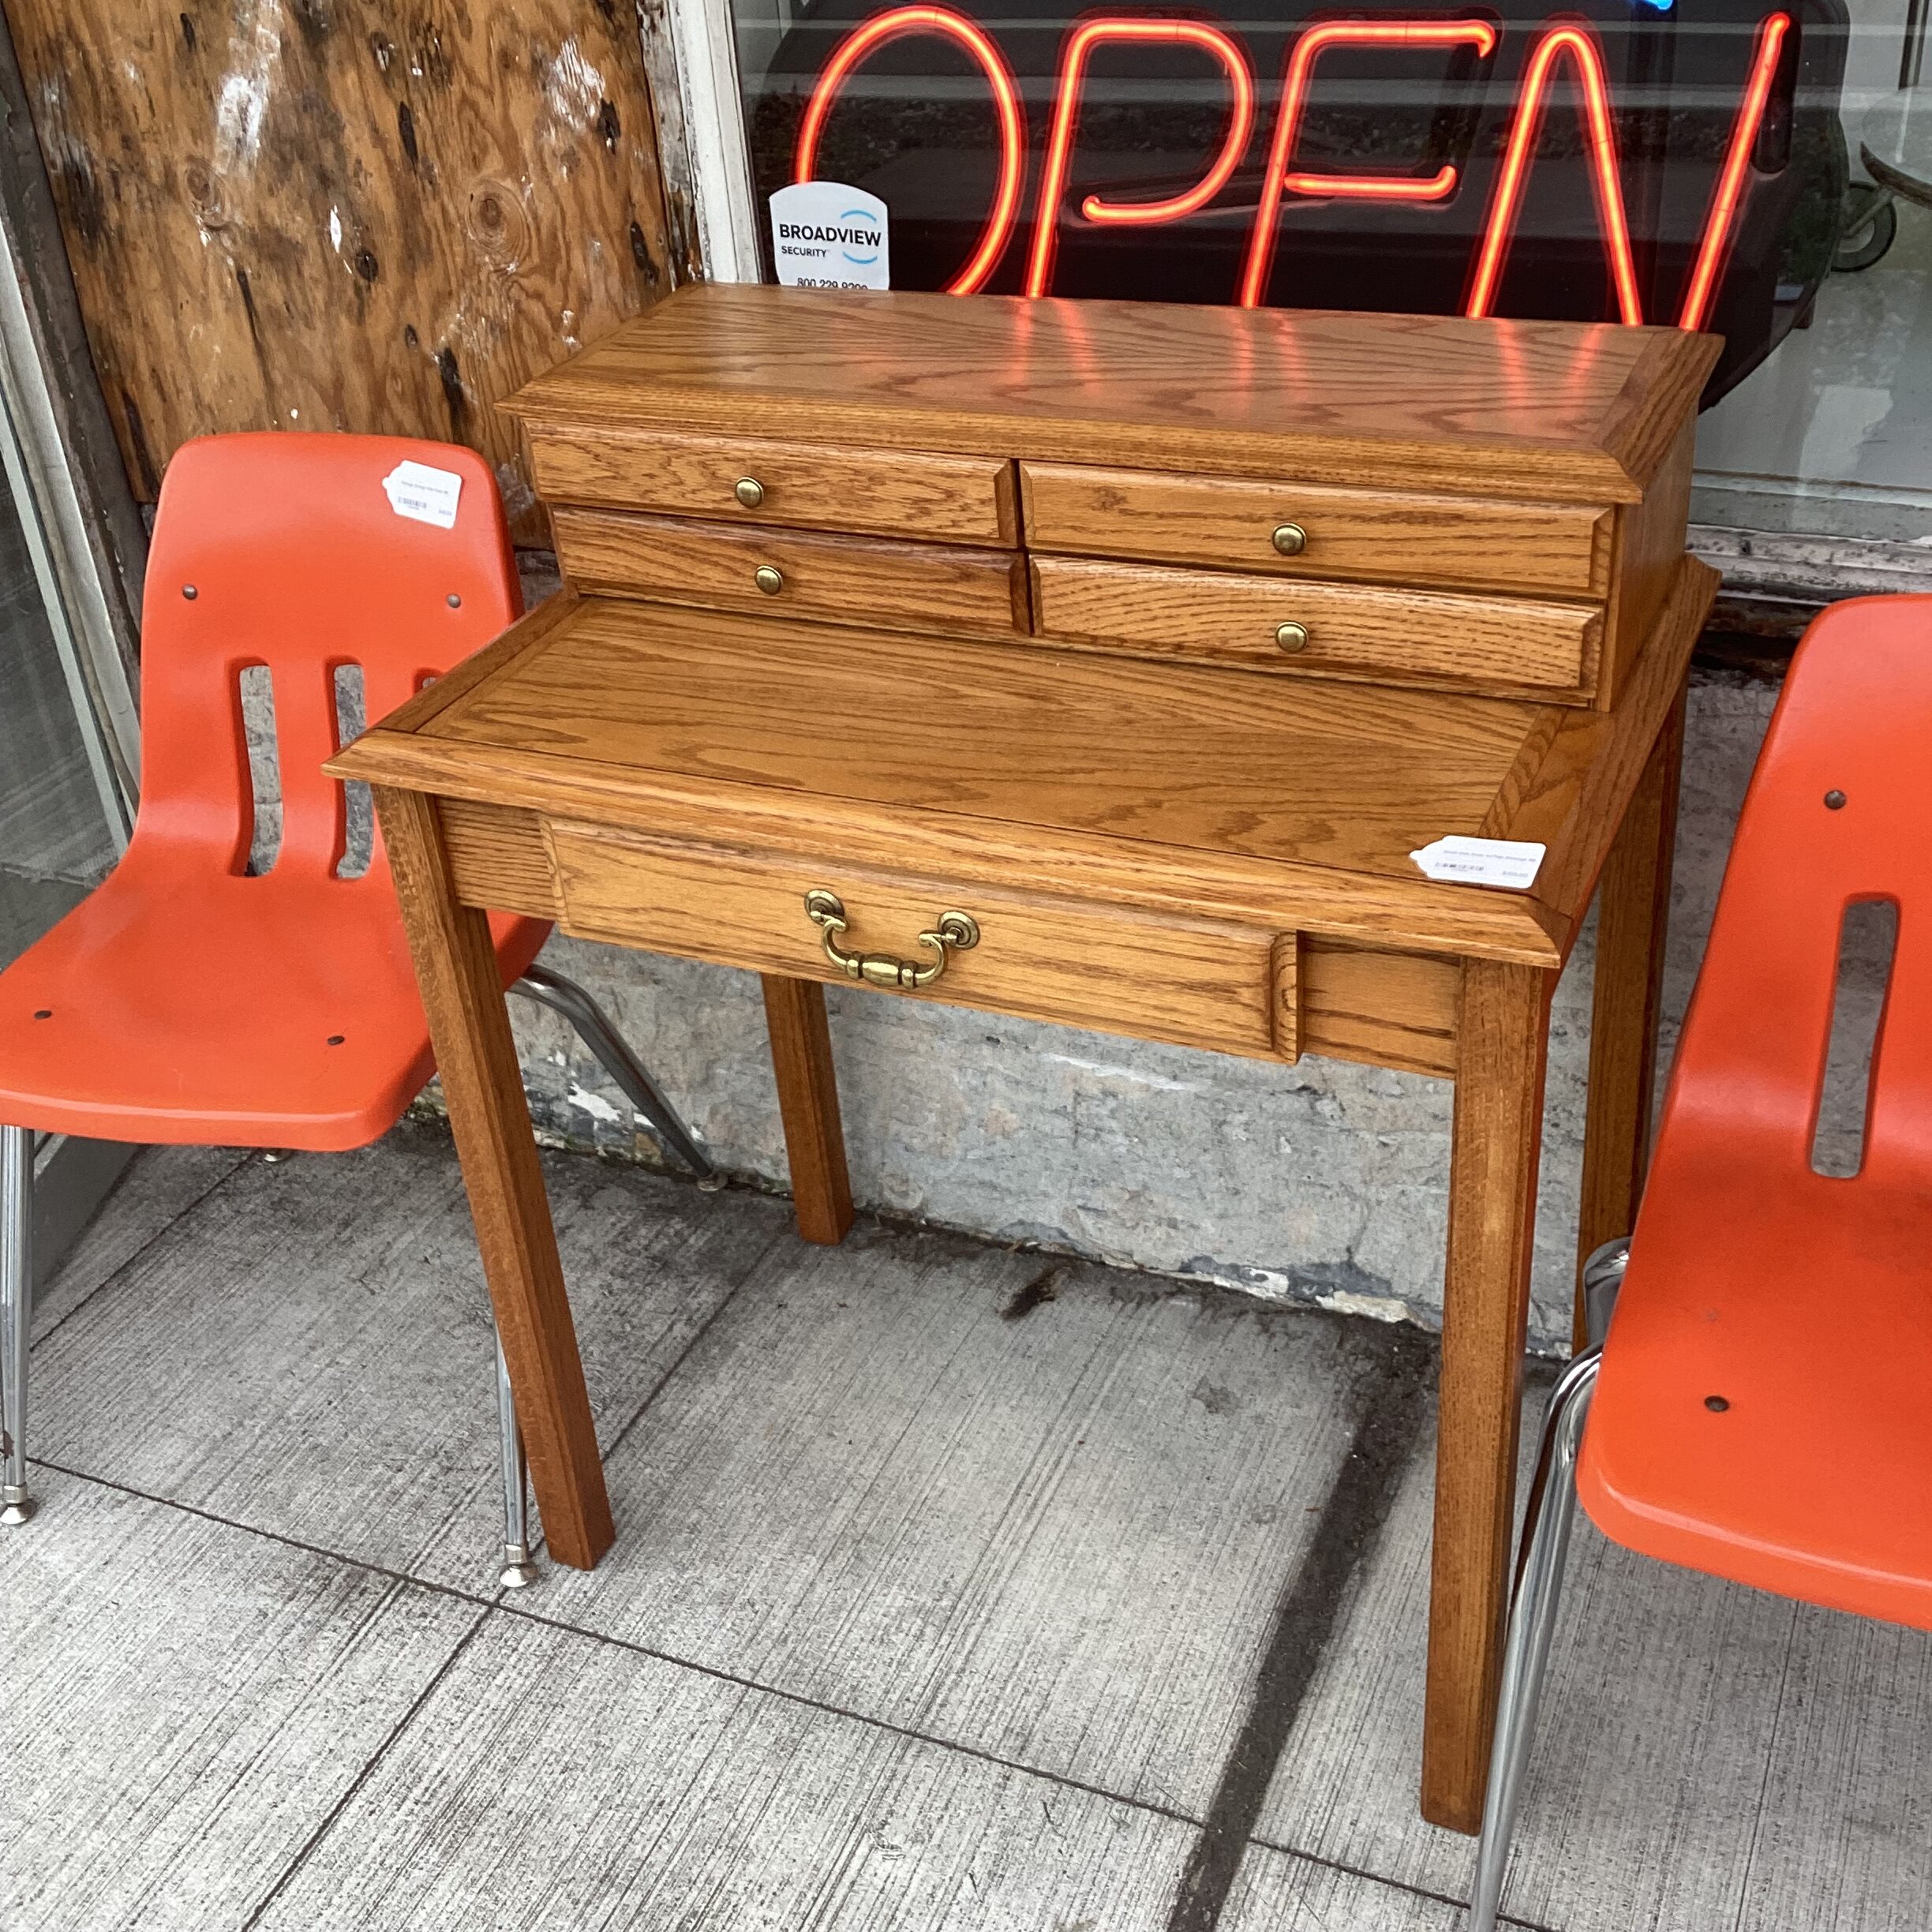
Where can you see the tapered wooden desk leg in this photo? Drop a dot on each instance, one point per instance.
(463, 994)
(801, 1047)
(1633, 910)
(1503, 1032)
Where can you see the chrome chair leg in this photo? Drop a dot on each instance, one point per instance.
(1603, 1276)
(1532, 1619)
(16, 1160)
(517, 1569)
(595, 1030)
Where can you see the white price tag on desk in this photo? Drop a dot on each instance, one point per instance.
(1511, 863)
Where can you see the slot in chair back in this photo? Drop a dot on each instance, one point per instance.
(255, 562)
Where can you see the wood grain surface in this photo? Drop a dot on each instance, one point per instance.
(1351, 1001)
(1411, 915)
(476, 1055)
(965, 500)
(1375, 536)
(1540, 410)
(1592, 761)
(499, 859)
(801, 1049)
(584, 754)
(1649, 545)
(1341, 775)
(1503, 1032)
(1633, 915)
(1392, 635)
(831, 579)
(1194, 983)
(329, 217)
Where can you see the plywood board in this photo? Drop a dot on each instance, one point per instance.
(292, 214)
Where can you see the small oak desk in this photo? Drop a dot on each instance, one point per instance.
(934, 644)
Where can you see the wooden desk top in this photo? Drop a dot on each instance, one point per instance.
(1232, 793)
(1557, 410)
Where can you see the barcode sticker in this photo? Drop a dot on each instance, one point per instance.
(424, 495)
(1511, 863)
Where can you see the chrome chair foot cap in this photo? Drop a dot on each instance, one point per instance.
(517, 1571)
(712, 1184)
(17, 1506)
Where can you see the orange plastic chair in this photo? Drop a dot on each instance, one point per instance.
(186, 1001)
(1758, 1407)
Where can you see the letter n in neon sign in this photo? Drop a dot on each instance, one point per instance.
(1730, 192)
(933, 20)
(1079, 43)
(1606, 177)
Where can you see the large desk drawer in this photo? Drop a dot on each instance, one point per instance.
(966, 499)
(1198, 982)
(831, 579)
(1268, 623)
(1317, 530)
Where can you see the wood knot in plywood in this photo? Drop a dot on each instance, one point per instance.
(203, 190)
(496, 225)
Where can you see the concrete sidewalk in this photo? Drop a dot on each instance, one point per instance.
(954, 1587)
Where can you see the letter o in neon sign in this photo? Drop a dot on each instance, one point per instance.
(913, 20)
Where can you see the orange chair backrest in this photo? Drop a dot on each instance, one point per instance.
(283, 549)
(1839, 810)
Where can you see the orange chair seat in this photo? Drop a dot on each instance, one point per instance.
(197, 1006)
(1815, 1328)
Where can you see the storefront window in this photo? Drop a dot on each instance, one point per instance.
(1754, 166)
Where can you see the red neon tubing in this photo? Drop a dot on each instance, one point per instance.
(1606, 177)
(1080, 43)
(1307, 50)
(1714, 248)
(911, 20)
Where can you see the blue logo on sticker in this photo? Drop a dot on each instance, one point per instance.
(866, 216)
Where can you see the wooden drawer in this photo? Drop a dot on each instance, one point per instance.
(1499, 644)
(1198, 982)
(833, 579)
(967, 499)
(1372, 536)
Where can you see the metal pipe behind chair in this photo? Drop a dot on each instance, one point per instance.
(594, 1028)
(1539, 1584)
(517, 1569)
(16, 1160)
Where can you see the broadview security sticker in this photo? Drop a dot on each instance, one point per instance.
(826, 235)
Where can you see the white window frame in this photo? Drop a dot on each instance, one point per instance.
(716, 150)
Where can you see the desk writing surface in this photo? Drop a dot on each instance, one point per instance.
(1352, 776)
(1580, 411)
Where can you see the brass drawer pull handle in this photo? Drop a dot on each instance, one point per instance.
(1290, 539)
(826, 910)
(767, 579)
(1291, 637)
(749, 491)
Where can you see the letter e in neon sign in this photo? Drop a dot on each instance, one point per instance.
(1301, 59)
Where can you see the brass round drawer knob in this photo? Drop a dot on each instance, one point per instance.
(1291, 637)
(1290, 539)
(768, 580)
(750, 491)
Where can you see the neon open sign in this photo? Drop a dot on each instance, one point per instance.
(1645, 142)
